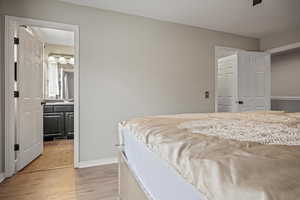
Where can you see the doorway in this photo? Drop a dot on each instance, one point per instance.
(285, 73)
(41, 70)
(242, 80)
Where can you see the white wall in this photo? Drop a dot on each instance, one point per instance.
(285, 72)
(132, 66)
(280, 39)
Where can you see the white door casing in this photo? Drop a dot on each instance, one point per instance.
(227, 87)
(11, 24)
(29, 115)
(254, 81)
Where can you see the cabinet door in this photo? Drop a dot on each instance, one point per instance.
(69, 123)
(53, 125)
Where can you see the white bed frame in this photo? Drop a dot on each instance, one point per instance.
(129, 186)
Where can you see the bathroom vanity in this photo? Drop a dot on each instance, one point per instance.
(58, 120)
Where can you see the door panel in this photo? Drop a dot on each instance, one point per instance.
(227, 92)
(29, 109)
(254, 81)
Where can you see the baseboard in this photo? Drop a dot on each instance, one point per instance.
(2, 177)
(93, 163)
(285, 98)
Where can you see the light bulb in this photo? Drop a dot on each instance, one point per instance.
(71, 61)
(62, 60)
(51, 59)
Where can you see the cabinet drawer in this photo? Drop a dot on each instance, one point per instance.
(64, 108)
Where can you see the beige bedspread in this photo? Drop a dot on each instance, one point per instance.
(226, 156)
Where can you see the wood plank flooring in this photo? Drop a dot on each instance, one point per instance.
(96, 183)
(57, 154)
(52, 177)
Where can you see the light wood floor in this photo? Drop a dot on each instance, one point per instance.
(57, 154)
(96, 183)
(53, 177)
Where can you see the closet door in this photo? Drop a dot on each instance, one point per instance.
(227, 84)
(254, 81)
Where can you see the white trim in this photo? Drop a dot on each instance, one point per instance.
(285, 98)
(10, 26)
(93, 163)
(2, 177)
(284, 48)
(9, 164)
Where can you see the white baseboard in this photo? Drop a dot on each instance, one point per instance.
(2, 177)
(93, 163)
(285, 98)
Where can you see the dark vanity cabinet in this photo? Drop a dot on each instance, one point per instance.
(53, 125)
(58, 121)
(69, 123)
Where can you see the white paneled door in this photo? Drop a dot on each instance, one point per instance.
(227, 87)
(29, 114)
(254, 81)
(244, 82)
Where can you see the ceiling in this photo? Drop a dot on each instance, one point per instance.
(232, 16)
(54, 36)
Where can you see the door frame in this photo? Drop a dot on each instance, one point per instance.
(11, 24)
(217, 47)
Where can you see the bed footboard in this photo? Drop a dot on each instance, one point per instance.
(129, 187)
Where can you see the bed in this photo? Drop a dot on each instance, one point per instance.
(217, 156)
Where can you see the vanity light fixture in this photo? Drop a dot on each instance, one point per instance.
(62, 60)
(71, 61)
(52, 59)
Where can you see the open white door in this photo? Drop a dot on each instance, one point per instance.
(29, 114)
(254, 81)
(227, 84)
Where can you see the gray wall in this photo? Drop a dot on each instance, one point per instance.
(132, 66)
(285, 105)
(1, 93)
(280, 39)
(285, 72)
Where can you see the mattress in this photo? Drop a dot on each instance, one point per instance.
(159, 181)
(228, 156)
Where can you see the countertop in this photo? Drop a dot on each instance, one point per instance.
(59, 103)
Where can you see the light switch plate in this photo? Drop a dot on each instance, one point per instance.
(206, 94)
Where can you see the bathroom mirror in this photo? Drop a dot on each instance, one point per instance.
(59, 77)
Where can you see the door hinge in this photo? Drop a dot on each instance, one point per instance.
(16, 72)
(16, 94)
(255, 2)
(17, 147)
(16, 41)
